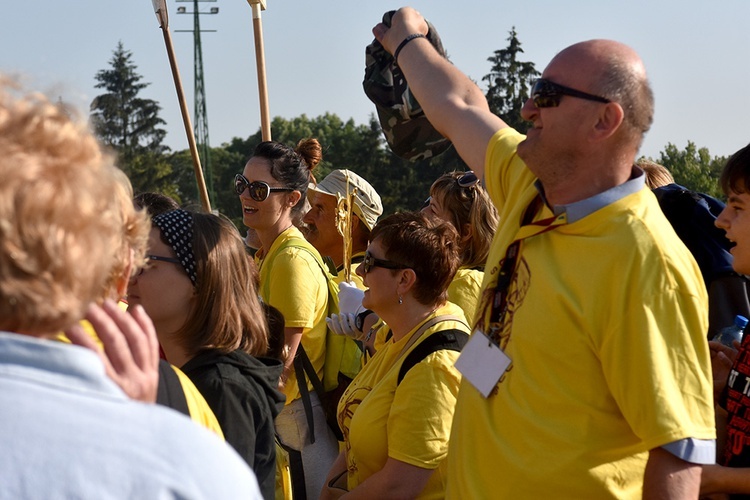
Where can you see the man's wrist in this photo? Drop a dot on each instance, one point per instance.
(403, 43)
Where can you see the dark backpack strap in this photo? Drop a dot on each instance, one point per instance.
(296, 471)
(328, 261)
(303, 369)
(453, 339)
(170, 392)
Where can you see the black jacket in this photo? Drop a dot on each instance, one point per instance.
(243, 393)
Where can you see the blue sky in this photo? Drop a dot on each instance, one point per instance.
(696, 53)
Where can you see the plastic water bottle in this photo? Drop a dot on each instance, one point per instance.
(729, 334)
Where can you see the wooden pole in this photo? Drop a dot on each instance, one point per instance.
(161, 15)
(260, 62)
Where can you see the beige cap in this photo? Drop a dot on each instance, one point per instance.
(367, 204)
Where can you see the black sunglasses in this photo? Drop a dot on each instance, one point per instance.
(467, 180)
(159, 258)
(369, 262)
(259, 190)
(547, 94)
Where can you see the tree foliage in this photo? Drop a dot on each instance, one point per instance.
(130, 124)
(694, 168)
(509, 82)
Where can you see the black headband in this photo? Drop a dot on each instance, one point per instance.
(177, 228)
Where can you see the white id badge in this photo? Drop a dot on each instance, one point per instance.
(482, 363)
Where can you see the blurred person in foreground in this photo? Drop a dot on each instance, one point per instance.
(585, 281)
(61, 238)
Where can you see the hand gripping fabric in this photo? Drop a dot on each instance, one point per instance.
(406, 128)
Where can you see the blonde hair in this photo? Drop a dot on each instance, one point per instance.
(472, 211)
(61, 234)
(136, 226)
(656, 175)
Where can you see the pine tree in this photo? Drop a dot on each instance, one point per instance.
(509, 82)
(130, 124)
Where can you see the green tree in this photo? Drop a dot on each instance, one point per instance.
(509, 82)
(694, 168)
(131, 125)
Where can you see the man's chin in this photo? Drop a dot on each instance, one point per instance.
(523, 148)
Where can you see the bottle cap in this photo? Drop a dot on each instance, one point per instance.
(740, 321)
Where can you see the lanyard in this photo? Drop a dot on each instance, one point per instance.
(508, 265)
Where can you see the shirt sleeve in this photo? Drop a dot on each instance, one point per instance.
(421, 415)
(644, 361)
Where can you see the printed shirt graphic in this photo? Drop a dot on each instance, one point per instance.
(736, 400)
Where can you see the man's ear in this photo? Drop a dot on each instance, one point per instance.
(609, 121)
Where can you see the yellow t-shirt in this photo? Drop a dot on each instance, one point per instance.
(410, 421)
(607, 342)
(198, 408)
(464, 290)
(291, 280)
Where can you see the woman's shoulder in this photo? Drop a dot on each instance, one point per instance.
(441, 343)
(291, 247)
(446, 317)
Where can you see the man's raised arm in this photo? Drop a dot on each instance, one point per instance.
(453, 103)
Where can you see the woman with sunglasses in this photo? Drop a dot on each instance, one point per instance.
(272, 189)
(198, 288)
(395, 424)
(459, 199)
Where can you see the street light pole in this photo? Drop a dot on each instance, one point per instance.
(201, 114)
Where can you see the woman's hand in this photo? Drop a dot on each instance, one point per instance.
(131, 349)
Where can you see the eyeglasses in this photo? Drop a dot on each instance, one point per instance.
(159, 258)
(369, 262)
(547, 94)
(259, 190)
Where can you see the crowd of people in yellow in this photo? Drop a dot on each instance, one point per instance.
(537, 330)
